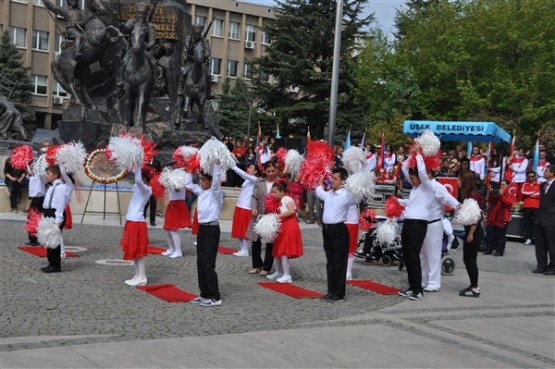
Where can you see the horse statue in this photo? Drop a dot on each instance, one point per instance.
(195, 85)
(70, 67)
(138, 77)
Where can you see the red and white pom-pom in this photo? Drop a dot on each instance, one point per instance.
(361, 185)
(71, 156)
(469, 213)
(267, 227)
(432, 162)
(158, 191)
(386, 233)
(33, 220)
(48, 233)
(429, 142)
(172, 179)
(149, 149)
(271, 204)
(182, 154)
(281, 153)
(353, 159)
(214, 151)
(293, 162)
(39, 165)
(320, 150)
(316, 164)
(21, 156)
(126, 151)
(51, 154)
(366, 220)
(392, 207)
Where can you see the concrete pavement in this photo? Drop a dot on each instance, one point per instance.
(86, 317)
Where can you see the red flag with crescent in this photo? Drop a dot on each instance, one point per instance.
(450, 183)
(513, 190)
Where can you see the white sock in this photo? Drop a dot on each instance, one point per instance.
(62, 245)
(350, 261)
(286, 266)
(244, 245)
(171, 247)
(279, 267)
(176, 243)
(141, 268)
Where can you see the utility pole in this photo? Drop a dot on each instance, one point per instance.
(335, 72)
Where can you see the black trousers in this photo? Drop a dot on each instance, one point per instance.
(257, 255)
(54, 255)
(470, 254)
(545, 247)
(36, 203)
(15, 191)
(496, 238)
(208, 239)
(412, 238)
(530, 215)
(336, 246)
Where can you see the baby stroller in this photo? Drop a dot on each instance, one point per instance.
(371, 251)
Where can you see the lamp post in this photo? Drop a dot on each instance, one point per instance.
(335, 72)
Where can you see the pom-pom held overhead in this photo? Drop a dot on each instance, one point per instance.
(71, 156)
(386, 233)
(33, 219)
(158, 190)
(366, 220)
(293, 162)
(21, 156)
(48, 233)
(172, 179)
(361, 185)
(126, 151)
(267, 227)
(281, 153)
(316, 164)
(214, 151)
(39, 165)
(469, 213)
(271, 204)
(429, 143)
(51, 154)
(392, 207)
(149, 150)
(353, 159)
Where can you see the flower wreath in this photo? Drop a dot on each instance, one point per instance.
(101, 169)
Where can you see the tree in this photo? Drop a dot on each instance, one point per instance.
(12, 69)
(233, 108)
(299, 62)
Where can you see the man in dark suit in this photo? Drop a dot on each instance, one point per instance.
(545, 225)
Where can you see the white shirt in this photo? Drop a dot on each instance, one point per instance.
(245, 196)
(141, 195)
(210, 201)
(176, 195)
(390, 161)
(352, 215)
(265, 155)
(283, 204)
(420, 200)
(519, 166)
(55, 198)
(547, 186)
(69, 185)
(442, 197)
(540, 169)
(495, 174)
(371, 162)
(336, 204)
(478, 165)
(37, 185)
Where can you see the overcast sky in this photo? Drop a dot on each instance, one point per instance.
(384, 11)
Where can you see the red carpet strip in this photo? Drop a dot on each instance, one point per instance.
(154, 250)
(40, 251)
(374, 287)
(290, 290)
(226, 250)
(168, 292)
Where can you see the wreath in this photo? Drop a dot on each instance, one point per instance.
(101, 169)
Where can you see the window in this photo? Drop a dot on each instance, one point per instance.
(232, 68)
(41, 84)
(216, 66)
(265, 39)
(58, 42)
(40, 40)
(18, 36)
(199, 19)
(234, 30)
(38, 2)
(218, 28)
(247, 71)
(57, 89)
(250, 33)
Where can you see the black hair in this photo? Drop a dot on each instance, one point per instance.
(54, 169)
(268, 164)
(343, 174)
(281, 185)
(207, 176)
(413, 172)
(465, 159)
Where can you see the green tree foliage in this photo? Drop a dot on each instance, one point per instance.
(466, 60)
(12, 70)
(233, 109)
(301, 56)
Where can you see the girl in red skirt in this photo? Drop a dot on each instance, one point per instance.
(242, 216)
(177, 217)
(289, 243)
(135, 234)
(352, 227)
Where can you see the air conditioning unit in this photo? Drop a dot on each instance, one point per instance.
(249, 45)
(214, 78)
(294, 89)
(58, 100)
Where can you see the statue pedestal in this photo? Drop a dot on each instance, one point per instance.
(91, 134)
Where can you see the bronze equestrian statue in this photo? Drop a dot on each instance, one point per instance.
(10, 118)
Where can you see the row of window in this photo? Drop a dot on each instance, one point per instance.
(39, 42)
(232, 68)
(40, 86)
(234, 30)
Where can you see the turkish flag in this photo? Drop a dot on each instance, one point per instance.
(450, 183)
(513, 190)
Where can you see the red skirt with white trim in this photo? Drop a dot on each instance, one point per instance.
(353, 237)
(194, 229)
(177, 216)
(289, 241)
(241, 222)
(135, 240)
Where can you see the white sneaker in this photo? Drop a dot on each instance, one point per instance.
(274, 276)
(168, 252)
(176, 255)
(137, 282)
(210, 303)
(285, 279)
(349, 277)
(528, 242)
(195, 243)
(63, 255)
(431, 289)
(197, 300)
(129, 281)
(241, 253)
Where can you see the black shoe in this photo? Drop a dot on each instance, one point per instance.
(50, 269)
(469, 292)
(549, 272)
(406, 293)
(497, 253)
(334, 298)
(359, 255)
(31, 243)
(326, 297)
(538, 271)
(488, 252)
(153, 224)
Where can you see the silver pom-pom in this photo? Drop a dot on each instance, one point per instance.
(386, 233)
(127, 152)
(293, 161)
(469, 213)
(187, 151)
(267, 227)
(40, 165)
(71, 156)
(361, 185)
(214, 151)
(48, 233)
(353, 159)
(429, 142)
(172, 179)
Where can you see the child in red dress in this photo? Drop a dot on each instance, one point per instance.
(177, 216)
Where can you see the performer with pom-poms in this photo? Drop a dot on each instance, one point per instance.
(288, 243)
(242, 216)
(352, 227)
(14, 179)
(337, 202)
(37, 190)
(177, 215)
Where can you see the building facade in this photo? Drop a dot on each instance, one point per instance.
(235, 37)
